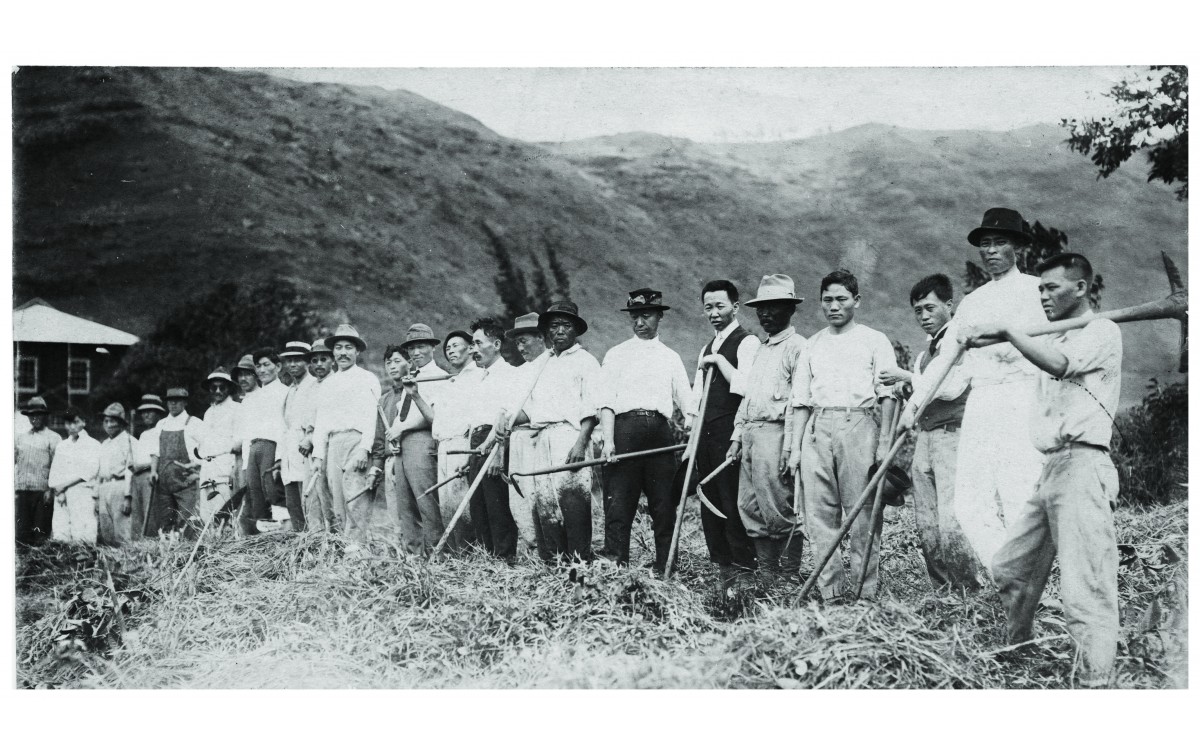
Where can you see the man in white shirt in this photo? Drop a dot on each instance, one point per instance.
(531, 345)
(644, 383)
(562, 411)
(1069, 516)
(420, 521)
(345, 429)
(315, 497)
(262, 439)
(451, 431)
(114, 500)
(141, 490)
(293, 465)
(175, 506)
(838, 433)
(221, 442)
(488, 410)
(73, 480)
(998, 466)
(247, 382)
(731, 352)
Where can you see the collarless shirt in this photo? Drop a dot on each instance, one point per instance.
(431, 393)
(644, 374)
(1013, 298)
(568, 389)
(769, 383)
(262, 415)
(34, 454)
(745, 356)
(116, 456)
(76, 458)
(295, 403)
(146, 447)
(222, 428)
(192, 427)
(346, 400)
(492, 394)
(843, 369)
(452, 416)
(1079, 406)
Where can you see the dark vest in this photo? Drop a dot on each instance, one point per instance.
(941, 412)
(723, 405)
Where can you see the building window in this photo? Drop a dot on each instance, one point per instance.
(27, 374)
(79, 376)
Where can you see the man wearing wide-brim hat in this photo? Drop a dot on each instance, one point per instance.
(293, 464)
(998, 466)
(221, 444)
(416, 470)
(149, 411)
(175, 506)
(531, 345)
(644, 384)
(762, 430)
(562, 409)
(314, 495)
(344, 429)
(34, 453)
(115, 497)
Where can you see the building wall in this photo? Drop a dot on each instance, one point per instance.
(52, 359)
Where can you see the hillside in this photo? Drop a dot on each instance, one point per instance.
(137, 187)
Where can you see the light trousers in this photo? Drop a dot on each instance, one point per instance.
(113, 526)
(520, 449)
(997, 463)
(75, 515)
(450, 495)
(1071, 514)
(420, 521)
(346, 485)
(949, 557)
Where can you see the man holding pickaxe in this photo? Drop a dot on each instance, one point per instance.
(644, 382)
(1070, 512)
(531, 345)
(731, 354)
(562, 408)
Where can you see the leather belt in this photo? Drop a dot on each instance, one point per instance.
(641, 413)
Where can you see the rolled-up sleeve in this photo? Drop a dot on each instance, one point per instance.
(1091, 348)
(802, 381)
(883, 358)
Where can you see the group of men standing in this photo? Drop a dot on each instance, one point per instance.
(1010, 462)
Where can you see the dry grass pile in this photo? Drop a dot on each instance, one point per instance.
(305, 611)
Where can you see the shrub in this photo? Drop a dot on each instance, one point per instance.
(1149, 445)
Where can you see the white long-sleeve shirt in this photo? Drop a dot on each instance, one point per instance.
(116, 456)
(1013, 298)
(842, 370)
(644, 374)
(569, 389)
(346, 400)
(223, 429)
(431, 393)
(745, 356)
(262, 416)
(76, 458)
(452, 416)
(146, 447)
(297, 407)
(492, 394)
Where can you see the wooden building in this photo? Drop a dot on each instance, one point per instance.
(62, 358)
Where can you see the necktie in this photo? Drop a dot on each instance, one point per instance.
(405, 403)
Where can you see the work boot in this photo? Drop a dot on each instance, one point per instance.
(767, 551)
(790, 564)
(725, 576)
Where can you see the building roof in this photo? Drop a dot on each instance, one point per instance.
(37, 321)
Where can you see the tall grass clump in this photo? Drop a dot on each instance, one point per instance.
(1150, 445)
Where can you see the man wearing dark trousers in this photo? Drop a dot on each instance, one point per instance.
(730, 354)
(644, 382)
(488, 411)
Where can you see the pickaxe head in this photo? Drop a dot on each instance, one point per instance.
(1178, 293)
(513, 481)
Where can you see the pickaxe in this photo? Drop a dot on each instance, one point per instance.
(487, 463)
(1175, 307)
(693, 441)
(459, 474)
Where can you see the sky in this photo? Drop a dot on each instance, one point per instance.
(743, 104)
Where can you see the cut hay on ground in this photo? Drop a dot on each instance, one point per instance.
(307, 611)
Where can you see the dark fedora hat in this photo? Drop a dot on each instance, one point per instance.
(895, 484)
(644, 299)
(1001, 221)
(567, 310)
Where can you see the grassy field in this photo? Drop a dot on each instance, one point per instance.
(283, 610)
